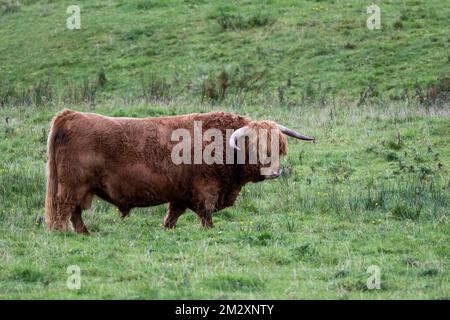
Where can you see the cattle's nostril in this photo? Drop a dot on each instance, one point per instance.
(275, 174)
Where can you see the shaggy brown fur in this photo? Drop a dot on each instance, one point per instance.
(127, 162)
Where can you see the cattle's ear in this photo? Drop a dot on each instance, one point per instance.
(283, 144)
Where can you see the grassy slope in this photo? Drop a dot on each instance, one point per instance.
(352, 199)
(311, 234)
(324, 42)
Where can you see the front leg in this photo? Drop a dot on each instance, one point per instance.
(206, 207)
(206, 219)
(124, 212)
(174, 211)
(207, 196)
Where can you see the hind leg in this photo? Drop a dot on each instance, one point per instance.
(65, 208)
(174, 211)
(71, 200)
(77, 221)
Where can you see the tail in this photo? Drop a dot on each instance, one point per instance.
(52, 177)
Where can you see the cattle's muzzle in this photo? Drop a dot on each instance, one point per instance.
(274, 174)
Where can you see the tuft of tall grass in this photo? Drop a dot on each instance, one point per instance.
(237, 21)
(41, 93)
(156, 89)
(411, 198)
(9, 6)
(86, 92)
(236, 84)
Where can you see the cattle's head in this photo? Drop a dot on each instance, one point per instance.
(260, 146)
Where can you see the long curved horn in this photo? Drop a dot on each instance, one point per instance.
(236, 135)
(294, 134)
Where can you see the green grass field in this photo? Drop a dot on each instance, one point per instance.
(373, 191)
(365, 194)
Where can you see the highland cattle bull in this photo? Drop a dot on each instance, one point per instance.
(139, 163)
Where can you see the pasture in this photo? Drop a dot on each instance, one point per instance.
(371, 198)
(374, 190)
